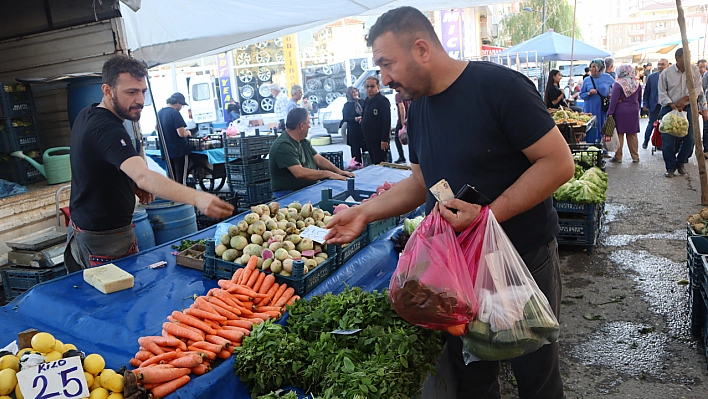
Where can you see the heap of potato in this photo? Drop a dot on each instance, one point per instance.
(272, 234)
(699, 221)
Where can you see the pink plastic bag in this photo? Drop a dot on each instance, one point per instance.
(472, 239)
(431, 286)
(354, 165)
(231, 131)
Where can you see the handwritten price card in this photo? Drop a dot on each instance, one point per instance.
(60, 379)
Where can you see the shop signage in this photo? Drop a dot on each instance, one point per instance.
(452, 32)
(224, 70)
(292, 77)
(491, 50)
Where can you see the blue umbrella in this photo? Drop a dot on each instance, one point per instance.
(552, 46)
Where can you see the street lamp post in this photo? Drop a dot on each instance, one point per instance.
(543, 15)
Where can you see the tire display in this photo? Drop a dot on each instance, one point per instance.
(324, 83)
(254, 79)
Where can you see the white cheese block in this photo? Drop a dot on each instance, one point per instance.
(108, 278)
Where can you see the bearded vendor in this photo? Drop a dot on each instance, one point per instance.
(107, 173)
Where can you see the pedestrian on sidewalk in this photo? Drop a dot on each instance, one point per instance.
(624, 108)
(351, 114)
(651, 99)
(594, 89)
(673, 95)
(402, 106)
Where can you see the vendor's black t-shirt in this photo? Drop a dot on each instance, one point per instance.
(473, 133)
(171, 120)
(102, 196)
(553, 93)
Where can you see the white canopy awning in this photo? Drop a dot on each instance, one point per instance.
(161, 32)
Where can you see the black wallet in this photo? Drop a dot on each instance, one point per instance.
(469, 194)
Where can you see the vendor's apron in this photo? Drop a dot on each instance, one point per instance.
(92, 248)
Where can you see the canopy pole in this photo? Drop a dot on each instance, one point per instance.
(572, 40)
(693, 102)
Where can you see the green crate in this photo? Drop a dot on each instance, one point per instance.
(215, 267)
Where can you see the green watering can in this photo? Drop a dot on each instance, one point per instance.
(56, 168)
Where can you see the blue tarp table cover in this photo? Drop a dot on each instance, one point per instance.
(74, 312)
(215, 155)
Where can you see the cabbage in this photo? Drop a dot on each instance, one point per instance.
(409, 225)
(596, 176)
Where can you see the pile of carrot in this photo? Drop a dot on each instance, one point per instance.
(212, 327)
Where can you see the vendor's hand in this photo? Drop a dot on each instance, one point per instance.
(384, 145)
(346, 226)
(592, 91)
(214, 207)
(705, 115)
(466, 213)
(336, 176)
(144, 196)
(346, 173)
(358, 119)
(673, 106)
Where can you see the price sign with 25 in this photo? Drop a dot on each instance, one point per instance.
(60, 379)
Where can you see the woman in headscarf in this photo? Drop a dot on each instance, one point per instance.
(351, 114)
(624, 107)
(596, 86)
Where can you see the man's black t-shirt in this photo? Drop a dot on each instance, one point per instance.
(102, 196)
(171, 120)
(473, 133)
(376, 119)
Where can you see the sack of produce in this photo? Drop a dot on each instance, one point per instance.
(674, 123)
(514, 317)
(431, 286)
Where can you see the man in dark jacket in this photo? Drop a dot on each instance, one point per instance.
(376, 121)
(650, 102)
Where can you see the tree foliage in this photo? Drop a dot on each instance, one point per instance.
(525, 25)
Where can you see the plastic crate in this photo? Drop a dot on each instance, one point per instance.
(247, 147)
(253, 194)
(588, 158)
(582, 232)
(15, 101)
(204, 221)
(221, 269)
(344, 253)
(250, 173)
(17, 280)
(18, 138)
(376, 229)
(337, 158)
(696, 247)
(20, 171)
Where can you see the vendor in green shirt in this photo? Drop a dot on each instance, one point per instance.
(294, 164)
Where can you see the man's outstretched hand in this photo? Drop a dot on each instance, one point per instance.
(346, 226)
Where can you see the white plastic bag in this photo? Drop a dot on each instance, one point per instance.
(514, 316)
(611, 143)
(674, 123)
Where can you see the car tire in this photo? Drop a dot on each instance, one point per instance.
(343, 131)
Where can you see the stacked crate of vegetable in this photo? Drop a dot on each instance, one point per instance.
(18, 132)
(580, 204)
(697, 249)
(247, 168)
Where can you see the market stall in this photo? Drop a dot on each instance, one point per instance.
(110, 324)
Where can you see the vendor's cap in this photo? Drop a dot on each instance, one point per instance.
(177, 98)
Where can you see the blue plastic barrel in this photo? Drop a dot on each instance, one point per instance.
(80, 94)
(143, 230)
(170, 220)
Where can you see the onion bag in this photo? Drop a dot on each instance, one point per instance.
(431, 286)
(514, 317)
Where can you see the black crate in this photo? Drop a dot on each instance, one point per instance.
(241, 175)
(20, 171)
(247, 147)
(583, 231)
(18, 134)
(221, 269)
(15, 100)
(571, 210)
(204, 221)
(337, 158)
(17, 280)
(253, 194)
(587, 158)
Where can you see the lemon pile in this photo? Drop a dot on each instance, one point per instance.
(103, 383)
